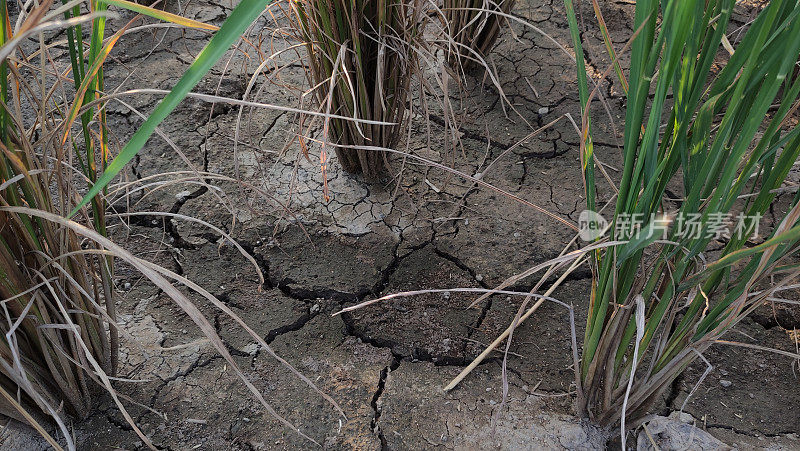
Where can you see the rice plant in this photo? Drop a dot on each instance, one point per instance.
(474, 26)
(361, 59)
(719, 124)
(58, 304)
(60, 337)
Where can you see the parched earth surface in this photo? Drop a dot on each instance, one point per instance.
(385, 365)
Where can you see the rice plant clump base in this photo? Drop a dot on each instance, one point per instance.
(362, 58)
(473, 27)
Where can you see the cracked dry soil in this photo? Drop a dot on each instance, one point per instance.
(385, 364)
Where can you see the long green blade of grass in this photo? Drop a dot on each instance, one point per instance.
(242, 17)
(587, 156)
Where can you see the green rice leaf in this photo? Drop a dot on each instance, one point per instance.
(242, 17)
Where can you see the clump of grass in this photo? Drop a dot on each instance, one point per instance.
(362, 57)
(729, 141)
(59, 339)
(58, 306)
(473, 26)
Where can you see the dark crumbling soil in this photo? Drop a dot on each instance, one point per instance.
(385, 364)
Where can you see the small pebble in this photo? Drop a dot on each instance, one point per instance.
(725, 383)
(544, 110)
(479, 277)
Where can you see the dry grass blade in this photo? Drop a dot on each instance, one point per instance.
(518, 319)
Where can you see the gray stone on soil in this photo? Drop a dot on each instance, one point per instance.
(677, 432)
